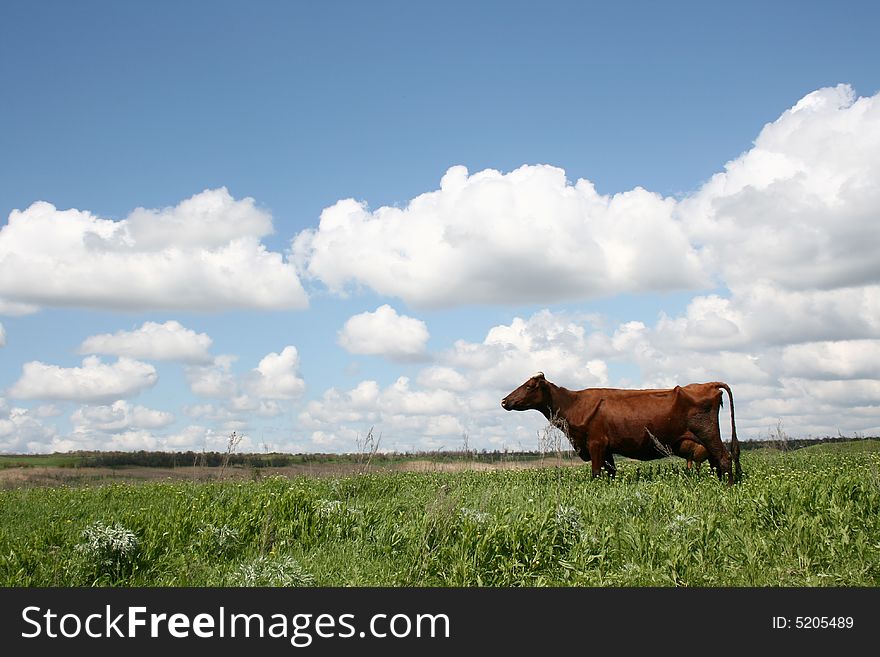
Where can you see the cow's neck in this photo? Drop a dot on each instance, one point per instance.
(559, 403)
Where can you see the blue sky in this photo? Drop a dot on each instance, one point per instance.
(299, 221)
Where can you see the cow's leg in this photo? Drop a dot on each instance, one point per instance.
(709, 435)
(597, 457)
(609, 464)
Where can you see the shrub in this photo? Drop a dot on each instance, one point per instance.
(108, 551)
(268, 570)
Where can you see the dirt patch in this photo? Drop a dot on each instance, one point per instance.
(28, 477)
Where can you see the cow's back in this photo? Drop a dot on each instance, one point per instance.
(629, 412)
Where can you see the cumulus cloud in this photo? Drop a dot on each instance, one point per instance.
(797, 211)
(153, 341)
(14, 309)
(779, 249)
(766, 314)
(215, 380)
(800, 207)
(118, 417)
(277, 376)
(46, 410)
(460, 394)
(399, 412)
(266, 391)
(546, 341)
(847, 359)
(94, 382)
(203, 254)
(815, 388)
(22, 431)
(385, 333)
(441, 376)
(206, 438)
(520, 237)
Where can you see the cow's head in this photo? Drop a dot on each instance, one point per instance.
(533, 394)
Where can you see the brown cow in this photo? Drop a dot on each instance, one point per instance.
(639, 424)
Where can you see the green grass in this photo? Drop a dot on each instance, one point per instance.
(804, 518)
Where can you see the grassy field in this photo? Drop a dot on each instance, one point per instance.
(810, 517)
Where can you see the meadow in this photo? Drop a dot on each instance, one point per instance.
(808, 517)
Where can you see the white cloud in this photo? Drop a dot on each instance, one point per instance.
(385, 333)
(46, 410)
(259, 407)
(545, 342)
(797, 212)
(399, 413)
(118, 417)
(440, 376)
(815, 388)
(203, 254)
(787, 233)
(22, 432)
(113, 437)
(400, 399)
(198, 438)
(367, 403)
(215, 380)
(525, 236)
(277, 376)
(799, 208)
(121, 441)
(765, 314)
(461, 394)
(14, 309)
(781, 246)
(847, 359)
(209, 219)
(93, 382)
(359, 405)
(210, 412)
(2, 336)
(153, 341)
(195, 437)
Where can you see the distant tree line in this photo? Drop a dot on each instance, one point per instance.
(150, 459)
(786, 443)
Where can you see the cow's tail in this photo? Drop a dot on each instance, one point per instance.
(734, 443)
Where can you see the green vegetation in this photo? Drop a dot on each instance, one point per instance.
(148, 459)
(803, 518)
(40, 460)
